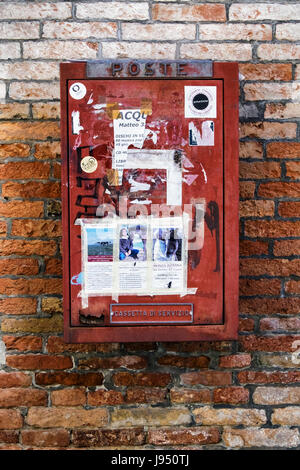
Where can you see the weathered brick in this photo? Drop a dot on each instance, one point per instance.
(54, 49)
(283, 306)
(24, 170)
(19, 266)
(49, 438)
(274, 267)
(286, 248)
(53, 266)
(289, 416)
(279, 189)
(9, 437)
(207, 50)
(68, 379)
(29, 130)
(268, 130)
(19, 30)
(32, 70)
(117, 10)
(289, 209)
(23, 343)
(128, 362)
(14, 150)
(33, 325)
(206, 12)
(14, 111)
(20, 209)
(11, 397)
(145, 395)
(266, 71)
(276, 395)
(10, 50)
(282, 111)
(33, 91)
(206, 378)
(293, 170)
(105, 397)
(250, 248)
(184, 362)
(109, 437)
(163, 31)
(292, 287)
(66, 417)
(24, 247)
(23, 11)
(47, 151)
(251, 149)
(31, 189)
(27, 286)
(256, 208)
(231, 395)
(10, 419)
(184, 395)
(185, 436)
(235, 361)
(229, 416)
(277, 360)
(271, 229)
(283, 150)
(255, 437)
(56, 344)
(33, 228)
(197, 346)
(68, 397)
(280, 324)
(264, 11)
(14, 379)
(237, 32)
(38, 362)
(139, 50)
(246, 324)
(278, 51)
(271, 91)
(149, 417)
(46, 111)
(149, 379)
(18, 306)
(263, 377)
(247, 189)
(254, 287)
(56, 171)
(68, 30)
(268, 343)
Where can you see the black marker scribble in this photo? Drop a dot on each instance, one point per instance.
(213, 223)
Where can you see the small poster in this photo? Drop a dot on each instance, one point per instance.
(201, 134)
(200, 102)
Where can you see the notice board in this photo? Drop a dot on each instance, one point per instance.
(150, 200)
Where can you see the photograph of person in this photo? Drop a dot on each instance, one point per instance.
(167, 244)
(133, 243)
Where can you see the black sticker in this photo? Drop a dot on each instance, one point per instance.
(200, 101)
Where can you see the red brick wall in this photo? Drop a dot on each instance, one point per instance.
(55, 395)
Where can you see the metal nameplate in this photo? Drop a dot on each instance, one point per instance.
(143, 314)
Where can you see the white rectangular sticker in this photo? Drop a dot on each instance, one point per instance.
(201, 134)
(200, 101)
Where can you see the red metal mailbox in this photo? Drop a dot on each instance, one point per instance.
(150, 200)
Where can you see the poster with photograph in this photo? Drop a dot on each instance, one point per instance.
(132, 257)
(168, 266)
(99, 259)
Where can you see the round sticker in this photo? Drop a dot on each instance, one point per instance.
(77, 90)
(89, 164)
(200, 101)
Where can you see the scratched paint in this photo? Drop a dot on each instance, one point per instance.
(165, 171)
